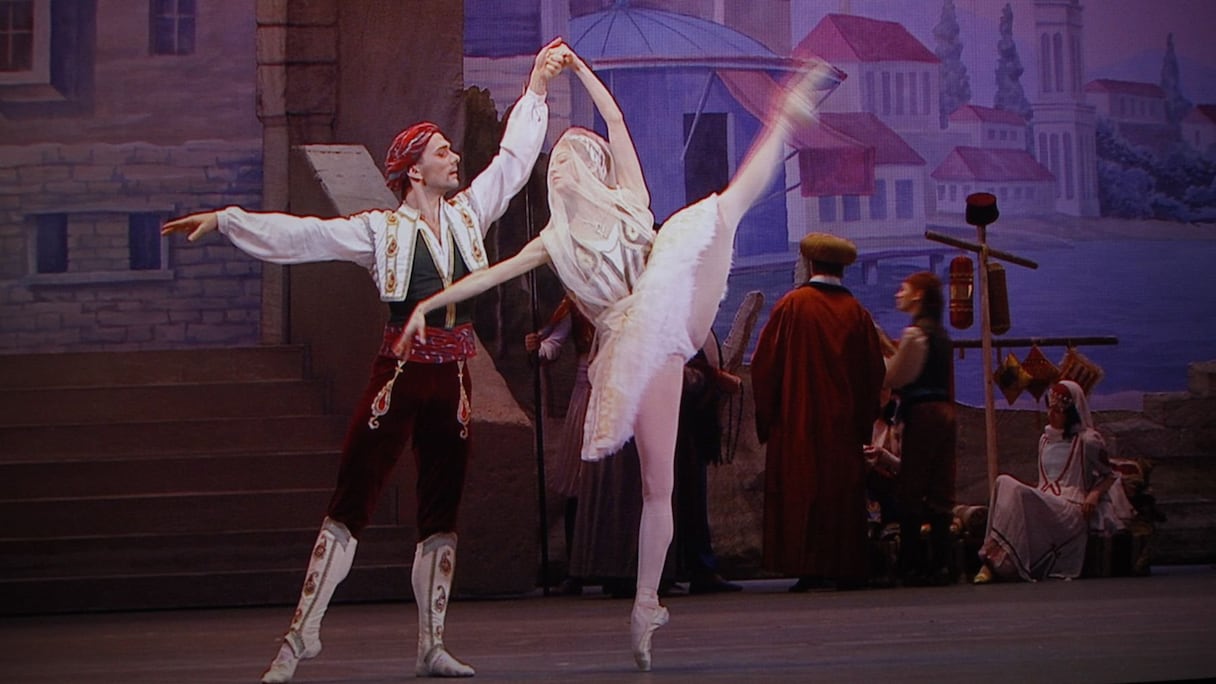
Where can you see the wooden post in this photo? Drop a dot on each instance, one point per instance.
(986, 361)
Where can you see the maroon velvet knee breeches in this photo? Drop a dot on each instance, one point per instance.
(423, 405)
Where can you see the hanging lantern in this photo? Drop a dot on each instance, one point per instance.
(998, 299)
(962, 292)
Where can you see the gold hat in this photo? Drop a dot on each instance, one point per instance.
(828, 248)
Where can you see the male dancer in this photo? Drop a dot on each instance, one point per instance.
(428, 242)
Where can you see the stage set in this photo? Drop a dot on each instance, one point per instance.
(173, 412)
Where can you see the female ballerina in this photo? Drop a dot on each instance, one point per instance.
(652, 296)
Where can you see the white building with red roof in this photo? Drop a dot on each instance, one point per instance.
(1135, 109)
(1127, 101)
(1021, 184)
(988, 127)
(857, 178)
(1199, 128)
(891, 74)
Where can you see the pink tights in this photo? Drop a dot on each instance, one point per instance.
(655, 433)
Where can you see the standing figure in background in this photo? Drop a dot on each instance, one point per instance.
(922, 372)
(817, 373)
(652, 298)
(420, 399)
(1041, 531)
(568, 323)
(699, 444)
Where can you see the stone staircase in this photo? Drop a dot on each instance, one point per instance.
(1177, 432)
(134, 480)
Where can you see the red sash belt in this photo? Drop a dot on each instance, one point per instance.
(442, 345)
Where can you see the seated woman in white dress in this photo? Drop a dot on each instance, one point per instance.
(652, 296)
(1041, 531)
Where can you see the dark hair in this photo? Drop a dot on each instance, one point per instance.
(1072, 421)
(930, 287)
(826, 268)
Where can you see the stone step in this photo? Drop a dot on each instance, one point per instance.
(190, 553)
(213, 435)
(108, 404)
(1201, 378)
(1142, 438)
(176, 513)
(1180, 409)
(152, 474)
(78, 369)
(1188, 534)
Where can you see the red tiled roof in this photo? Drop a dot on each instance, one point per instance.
(980, 164)
(849, 38)
(1204, 113)
(1110, 85)
(835, 130)
(968, 113)
(868, 130)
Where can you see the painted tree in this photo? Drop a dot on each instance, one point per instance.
(1176, 104)
(1010, 96)
(955, 84)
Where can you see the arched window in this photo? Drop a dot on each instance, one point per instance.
(1057, 60)
(1075, 62)
(1055, 159)
(1044, 64)
(1069, 185)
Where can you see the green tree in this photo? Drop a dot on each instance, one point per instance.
(1010, 96)
(1176, 104)
(955, 84)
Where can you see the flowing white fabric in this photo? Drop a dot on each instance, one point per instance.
(636, 286)
(1041, 529)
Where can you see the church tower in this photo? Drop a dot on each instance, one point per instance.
(1064, 126)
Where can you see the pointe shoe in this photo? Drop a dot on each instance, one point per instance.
(984, 576)
(440, 663)
(804, 92)
(284, 665)
(643, 623)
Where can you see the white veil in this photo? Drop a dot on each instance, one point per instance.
(586, 208)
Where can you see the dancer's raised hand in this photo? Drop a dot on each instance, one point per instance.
(194, 225)
(549, 63)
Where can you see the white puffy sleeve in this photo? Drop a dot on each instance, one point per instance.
(286, 239)
(491, 191)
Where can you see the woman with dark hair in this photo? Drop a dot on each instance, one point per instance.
(1041, 531)
(922, 372)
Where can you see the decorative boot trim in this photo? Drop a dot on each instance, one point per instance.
(434, 565)
(330, 562)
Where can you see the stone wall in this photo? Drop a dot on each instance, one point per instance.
(201, 294)
(154, 137)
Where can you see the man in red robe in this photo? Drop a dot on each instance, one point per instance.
(817, 372)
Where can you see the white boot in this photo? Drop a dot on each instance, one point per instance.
(647, 617)
(434, 564)
(328, 566)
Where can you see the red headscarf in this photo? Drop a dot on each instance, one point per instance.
(405, 151)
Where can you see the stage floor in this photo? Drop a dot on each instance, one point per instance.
(1154, 628)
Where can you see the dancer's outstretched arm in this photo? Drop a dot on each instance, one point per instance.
(760, 165)
(531, 256)
(628, 166)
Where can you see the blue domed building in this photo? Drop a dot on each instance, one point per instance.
(678, 80)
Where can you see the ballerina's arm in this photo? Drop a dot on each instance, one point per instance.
(531, 256)
(625, 155)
